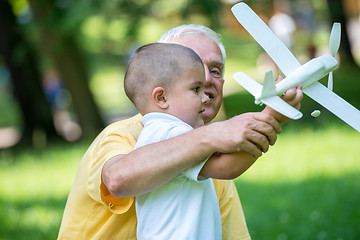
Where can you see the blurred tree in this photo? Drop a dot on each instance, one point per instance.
(337, 14)
(133, 11)
(26, 79)
(58, 40)
(210, 8)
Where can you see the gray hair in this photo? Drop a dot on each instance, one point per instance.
(175, 33)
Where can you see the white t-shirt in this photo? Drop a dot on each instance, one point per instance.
(186, 207)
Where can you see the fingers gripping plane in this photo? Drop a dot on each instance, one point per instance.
(306, 75)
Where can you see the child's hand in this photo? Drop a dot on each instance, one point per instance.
(292, 96)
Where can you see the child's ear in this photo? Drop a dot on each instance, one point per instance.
(159, 97)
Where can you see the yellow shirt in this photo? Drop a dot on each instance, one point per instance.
(91, 212)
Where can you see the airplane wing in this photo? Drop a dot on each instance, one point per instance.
(274, 47)
(335, 104)
(274, 102)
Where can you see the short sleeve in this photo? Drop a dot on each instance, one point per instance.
(117, 139)
(193, 172)
(116, 205)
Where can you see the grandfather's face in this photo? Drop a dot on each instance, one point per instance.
(211, 56)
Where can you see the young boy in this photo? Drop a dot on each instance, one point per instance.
(166, 84)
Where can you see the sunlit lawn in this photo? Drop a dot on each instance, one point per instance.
(307, 187)
(33, 189)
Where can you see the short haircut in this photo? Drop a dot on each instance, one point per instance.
(156, 65)
(176, 33)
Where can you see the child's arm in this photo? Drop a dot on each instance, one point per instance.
(227, 165)
(232, 165)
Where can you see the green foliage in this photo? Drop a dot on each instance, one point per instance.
(346, 82)
(8, 108)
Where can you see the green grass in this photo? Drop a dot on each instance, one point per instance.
(34, 185)
(307, 187)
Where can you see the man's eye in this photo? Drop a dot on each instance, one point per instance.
(215, 72)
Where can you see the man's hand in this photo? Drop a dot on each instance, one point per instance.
(292, 96)
(249, 132)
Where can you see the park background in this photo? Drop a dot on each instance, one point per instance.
(62, 64)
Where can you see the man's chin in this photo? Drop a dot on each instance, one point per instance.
(207, 115)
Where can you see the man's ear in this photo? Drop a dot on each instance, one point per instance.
(159, 98)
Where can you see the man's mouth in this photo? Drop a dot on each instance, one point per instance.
(210, 95)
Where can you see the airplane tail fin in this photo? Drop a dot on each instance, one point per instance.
(273, 101)
(268, 86)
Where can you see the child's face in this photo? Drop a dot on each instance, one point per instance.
(211, 56)
(186, 97)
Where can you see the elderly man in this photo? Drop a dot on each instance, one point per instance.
(111, 174)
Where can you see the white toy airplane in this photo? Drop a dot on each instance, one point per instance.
(306, 75)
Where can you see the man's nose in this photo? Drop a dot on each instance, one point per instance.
(208, 77)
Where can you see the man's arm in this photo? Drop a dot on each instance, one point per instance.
(153, 165)
(232, 165)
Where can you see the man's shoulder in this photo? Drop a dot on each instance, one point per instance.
(122, 131)
(130, 124)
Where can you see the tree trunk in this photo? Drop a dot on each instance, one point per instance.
(67, 57)
(25, 77)
(70, 63)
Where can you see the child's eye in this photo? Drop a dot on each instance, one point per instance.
(196, 89)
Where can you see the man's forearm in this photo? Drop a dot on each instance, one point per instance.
(153, 165)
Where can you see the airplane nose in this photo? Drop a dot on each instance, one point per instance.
(328, 61)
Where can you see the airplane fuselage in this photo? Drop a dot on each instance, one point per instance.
(305, 75)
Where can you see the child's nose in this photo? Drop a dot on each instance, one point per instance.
(205, 98)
